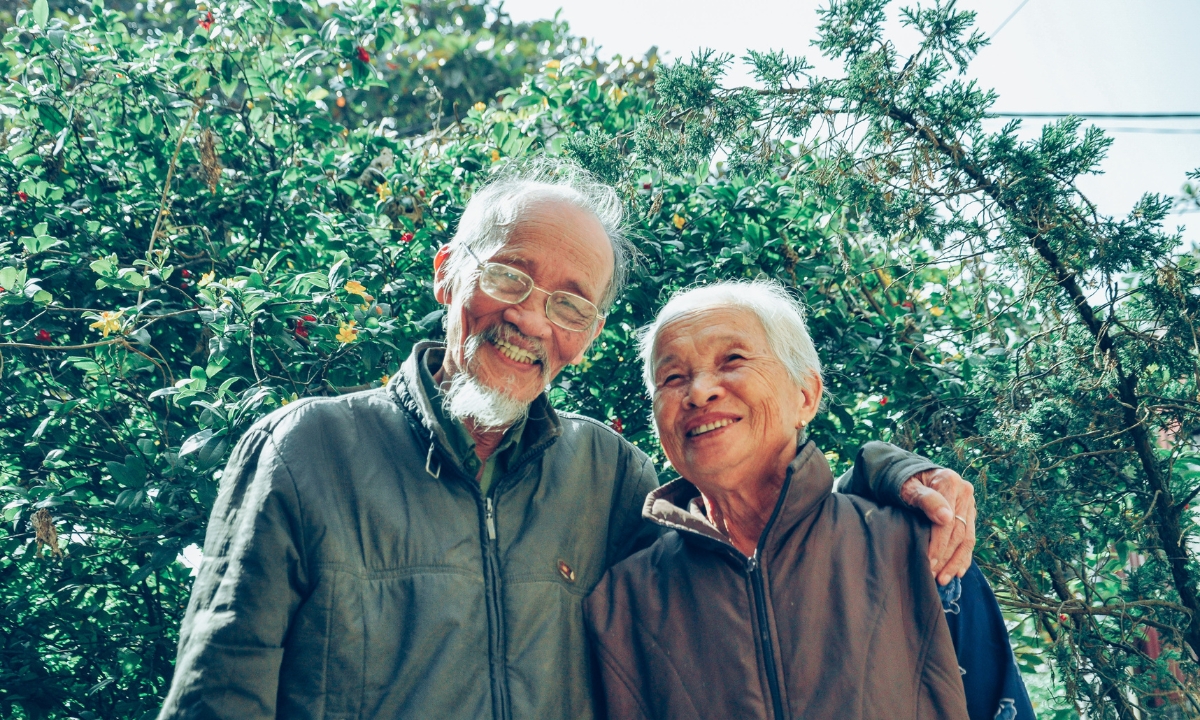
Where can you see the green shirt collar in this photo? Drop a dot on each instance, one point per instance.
(460, 441)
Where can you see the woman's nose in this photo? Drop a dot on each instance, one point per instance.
(705, 388)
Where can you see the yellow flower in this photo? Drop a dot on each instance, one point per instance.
(937, 311)
(679, 221)
(618, 94)
(108, 322)
(347, 333)
(354, 287)
(480, 107)
(554, 65)
(495, 155)
(383, 191)
(385, 379)
(207, 278)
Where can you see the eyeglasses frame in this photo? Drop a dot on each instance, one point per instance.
(533, 286)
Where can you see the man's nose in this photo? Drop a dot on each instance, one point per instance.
(529, 316)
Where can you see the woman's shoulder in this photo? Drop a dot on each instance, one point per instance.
(878, 526)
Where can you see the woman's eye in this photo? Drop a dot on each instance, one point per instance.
(671, 379)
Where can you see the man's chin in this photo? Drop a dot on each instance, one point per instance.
(485, 406)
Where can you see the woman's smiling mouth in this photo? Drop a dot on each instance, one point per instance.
(709, 427)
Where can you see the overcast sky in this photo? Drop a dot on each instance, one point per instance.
(1053, 56)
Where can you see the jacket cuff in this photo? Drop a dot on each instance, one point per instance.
(879, 470)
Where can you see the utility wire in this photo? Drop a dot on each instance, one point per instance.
(1007, 19)
(1107, 116)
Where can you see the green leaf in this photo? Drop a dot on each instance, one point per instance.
(41, 13)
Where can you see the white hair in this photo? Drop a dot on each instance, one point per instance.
(496, 208)
(781, 315)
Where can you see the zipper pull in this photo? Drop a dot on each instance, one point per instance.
(752, 563)
(490, 519)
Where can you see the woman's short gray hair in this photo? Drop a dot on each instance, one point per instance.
(781, 315)
(497, 207)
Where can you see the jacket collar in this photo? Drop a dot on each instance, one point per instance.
(542, 427)
(678, 505)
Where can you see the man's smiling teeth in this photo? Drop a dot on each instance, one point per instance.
(709, 427)
(512, 352)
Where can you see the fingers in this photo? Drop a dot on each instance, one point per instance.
(939, 512)
(963, 544)
(945, 497)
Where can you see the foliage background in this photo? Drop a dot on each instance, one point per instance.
(207, 211)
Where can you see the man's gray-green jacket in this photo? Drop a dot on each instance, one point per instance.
(353, 569)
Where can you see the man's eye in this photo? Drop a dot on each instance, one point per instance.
(672, 379)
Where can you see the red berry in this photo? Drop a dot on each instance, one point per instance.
(301, 331)
(406, 237)
(617, 425)
(43, 336)
(421, 192)
(309, 318)
(1062, 617)
(363, 54)
(22, 195)
(207, 22)
(185, 273)
(883, 400)
(647, 186)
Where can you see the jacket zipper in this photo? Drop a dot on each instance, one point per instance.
(496, 640)
(764, 631)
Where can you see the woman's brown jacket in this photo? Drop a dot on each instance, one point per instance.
(836, 616)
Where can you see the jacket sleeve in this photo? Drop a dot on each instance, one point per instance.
(628, 531)
(879, 470)
(990, 675)
(250, 583)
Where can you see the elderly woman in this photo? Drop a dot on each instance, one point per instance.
(773, 597)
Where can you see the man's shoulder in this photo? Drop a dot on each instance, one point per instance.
(315, 421)
(579, 429)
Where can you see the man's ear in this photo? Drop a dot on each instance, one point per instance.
(579, 358)
(441, 285)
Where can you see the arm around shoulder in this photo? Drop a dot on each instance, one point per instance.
(879, 470)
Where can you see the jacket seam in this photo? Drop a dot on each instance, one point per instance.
(923, 659)
(302, 545)
(611, 663)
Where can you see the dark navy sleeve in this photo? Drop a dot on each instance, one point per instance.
(989, 670)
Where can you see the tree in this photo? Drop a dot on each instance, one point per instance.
(1071, 393)
(196, 232)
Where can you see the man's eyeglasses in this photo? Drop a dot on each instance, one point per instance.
(509, 285)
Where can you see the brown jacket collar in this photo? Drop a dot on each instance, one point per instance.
(678, 505)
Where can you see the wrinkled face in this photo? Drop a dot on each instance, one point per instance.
(514, 348)
(726, 409)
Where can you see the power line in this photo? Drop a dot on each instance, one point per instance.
(1109, 116)
(1154, 131)
(1007, 19)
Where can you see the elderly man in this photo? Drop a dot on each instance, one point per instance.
(423, 550)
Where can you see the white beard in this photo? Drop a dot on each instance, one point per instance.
(487, 408)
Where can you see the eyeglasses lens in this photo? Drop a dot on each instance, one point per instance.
(564, 309)
(505, 283)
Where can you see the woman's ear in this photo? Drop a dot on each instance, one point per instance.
(810, 399)
(441, 285)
